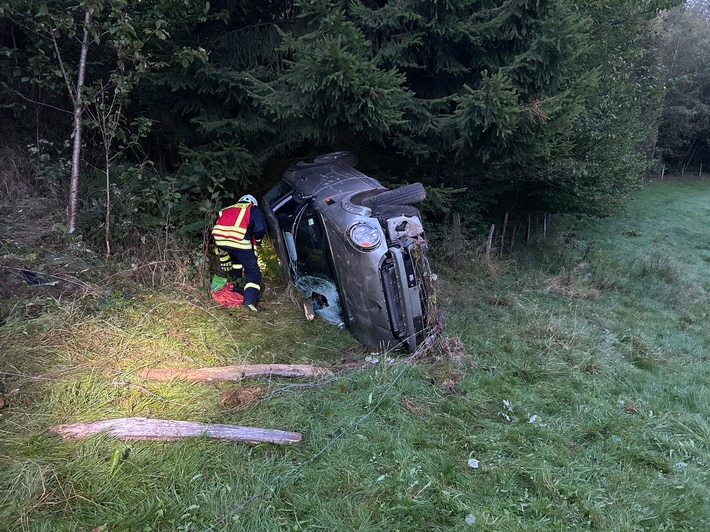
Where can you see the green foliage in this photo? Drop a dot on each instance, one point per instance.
(490, 112)
(535, 106)
(684, 52)
(330, 92)
(49, 161)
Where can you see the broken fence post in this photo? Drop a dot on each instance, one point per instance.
(502, 235)
(139, 428)
(489, 242)
(456, 238)
(234, 373)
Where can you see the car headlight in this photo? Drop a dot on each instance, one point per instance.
(364, 236)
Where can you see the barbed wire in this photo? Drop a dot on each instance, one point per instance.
(434, 333)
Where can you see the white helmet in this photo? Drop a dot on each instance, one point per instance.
(248, 198)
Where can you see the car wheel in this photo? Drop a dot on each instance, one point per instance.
(406, 195)
(346, 157)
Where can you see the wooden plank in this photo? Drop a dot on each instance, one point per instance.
(234, 373)
(140, 428)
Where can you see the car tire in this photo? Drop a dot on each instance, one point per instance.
(345, 157)
(406, 195)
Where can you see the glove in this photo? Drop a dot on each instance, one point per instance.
(225, 262)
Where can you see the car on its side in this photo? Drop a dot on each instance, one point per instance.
(355, 248)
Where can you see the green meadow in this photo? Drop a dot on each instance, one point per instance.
(570, 391)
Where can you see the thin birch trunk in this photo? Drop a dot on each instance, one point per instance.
(108, 204)
(78, 102)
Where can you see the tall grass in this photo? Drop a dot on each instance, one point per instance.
(582, 402)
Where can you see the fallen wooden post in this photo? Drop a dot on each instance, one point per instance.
(140, 428)
(234, 373)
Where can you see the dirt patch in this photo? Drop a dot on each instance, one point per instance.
(241, 397)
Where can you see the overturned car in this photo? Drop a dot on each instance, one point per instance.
(355, 248)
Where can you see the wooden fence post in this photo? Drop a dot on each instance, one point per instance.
(489, 244)
(516, 230)
(502, 235)
(544, 225)
(527, 238)
(457, 238)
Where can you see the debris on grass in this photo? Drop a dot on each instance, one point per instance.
(241, 397)
(234, 373)
(138, 428)
(449, 385)
(508, 414)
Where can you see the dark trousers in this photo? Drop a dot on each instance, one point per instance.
(252, 273)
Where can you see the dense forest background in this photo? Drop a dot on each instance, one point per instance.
(149, 115)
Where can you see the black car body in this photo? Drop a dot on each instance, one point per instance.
(355, 248)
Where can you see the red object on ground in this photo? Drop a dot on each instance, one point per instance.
(225, 297)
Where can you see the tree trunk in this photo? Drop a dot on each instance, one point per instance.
(234, 373)
(139, 428)
(78, 110)
(108, 203)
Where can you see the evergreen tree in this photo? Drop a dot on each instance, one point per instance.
(330, 93)
(613, 137)
(684, 52)
(528, 104)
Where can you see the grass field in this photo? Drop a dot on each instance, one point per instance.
(571, 393)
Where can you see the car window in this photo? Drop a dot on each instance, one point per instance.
(314, 276)
(307, 251)
(311, 246)
(282, 188)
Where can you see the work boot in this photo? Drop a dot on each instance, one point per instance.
(253, 308)
(237, 288)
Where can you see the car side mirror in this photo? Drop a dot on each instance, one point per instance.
(301, 198)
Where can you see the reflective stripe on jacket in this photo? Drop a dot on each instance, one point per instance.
(232, 225)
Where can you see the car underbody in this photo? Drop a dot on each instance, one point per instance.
(355, 248)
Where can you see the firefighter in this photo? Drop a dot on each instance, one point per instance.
(239, 228)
